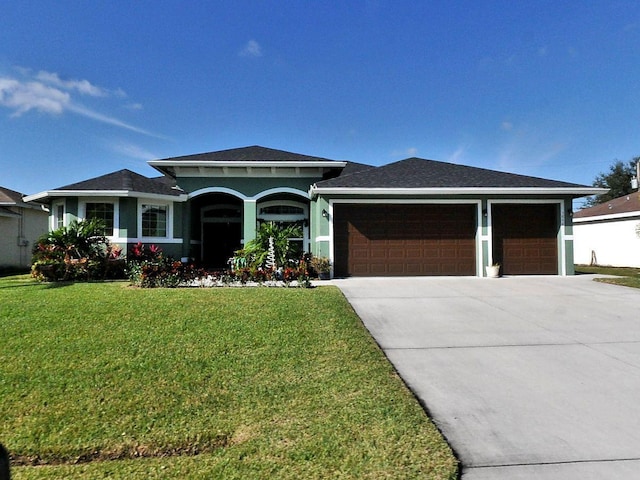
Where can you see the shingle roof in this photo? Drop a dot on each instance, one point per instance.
(125, 180)
(10, 196)
(254, 153)
(421, 173)
(625, 204)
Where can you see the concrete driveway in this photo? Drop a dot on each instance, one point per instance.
(527, 377)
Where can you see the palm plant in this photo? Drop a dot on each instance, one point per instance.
(256, 252)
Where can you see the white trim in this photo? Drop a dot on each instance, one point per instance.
(303, 203)
(414, 201)
(246, 198)
(612, 216)
(560, 237)
(398, 201)
(580, 191)
(323, 238)
(82, 212)
(229, 191)
(277, 190)
(248, 164)
(105, 193)
(124, 240)
(169, 205)
(53, 217)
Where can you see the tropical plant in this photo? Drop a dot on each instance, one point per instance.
(321, 264)
(272, 244)
(79, 251)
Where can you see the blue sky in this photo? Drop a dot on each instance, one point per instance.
(549, 89)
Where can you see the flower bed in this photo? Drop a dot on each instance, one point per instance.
(148, 268)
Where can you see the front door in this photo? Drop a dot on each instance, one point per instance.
(219, 242)
(221, 227)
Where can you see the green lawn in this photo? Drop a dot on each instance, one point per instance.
(628, 277)
(103, 380)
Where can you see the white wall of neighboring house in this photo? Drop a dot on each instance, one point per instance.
(18, 235)
(612, 242)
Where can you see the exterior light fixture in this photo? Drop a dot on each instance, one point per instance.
(325, 214)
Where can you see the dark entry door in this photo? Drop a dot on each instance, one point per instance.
(220, 240)
(525, 238)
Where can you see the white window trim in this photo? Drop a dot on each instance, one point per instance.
(287, 217)
(82, 212)
(53, 219)
(169, 206)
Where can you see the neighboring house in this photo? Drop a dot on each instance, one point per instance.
(412, 217)
(21, 224)
(609, 233)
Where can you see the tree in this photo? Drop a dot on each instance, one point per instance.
(617, 180)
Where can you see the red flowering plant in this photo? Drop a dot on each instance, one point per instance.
(78, 251)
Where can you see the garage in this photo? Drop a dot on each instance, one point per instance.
(525, 238)
(404, 240)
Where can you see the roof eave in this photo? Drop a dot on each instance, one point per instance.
(247, 163)
(519, 191)
(104, 193)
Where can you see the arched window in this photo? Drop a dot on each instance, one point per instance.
(285, 213)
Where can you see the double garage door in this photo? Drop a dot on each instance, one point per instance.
(440, 239)
(386, 240)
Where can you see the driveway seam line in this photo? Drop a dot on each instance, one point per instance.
(569, 462)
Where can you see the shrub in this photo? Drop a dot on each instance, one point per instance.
(149, 268)
(78, 251)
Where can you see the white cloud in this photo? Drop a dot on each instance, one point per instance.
(46, 92)
(506, 126)
(82, 86)
(530, 151)
(24, 96)
(407, 152)
(134, 106)
(251, 49)
(86, 112)
(457, 155)
(133, 151)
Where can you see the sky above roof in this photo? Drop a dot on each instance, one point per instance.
(545, 88)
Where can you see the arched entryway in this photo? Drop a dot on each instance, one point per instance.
(219, 228)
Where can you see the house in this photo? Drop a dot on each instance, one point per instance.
(609, 233)
(411, 217)
(21, 224)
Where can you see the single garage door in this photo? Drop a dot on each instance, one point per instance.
(386, 240)
(525, 238)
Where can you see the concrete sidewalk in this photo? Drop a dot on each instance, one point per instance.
(527, 377)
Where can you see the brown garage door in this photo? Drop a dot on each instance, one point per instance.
(377, 239)
(525, 238)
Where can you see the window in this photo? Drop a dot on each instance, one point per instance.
(288, 210)
(101, 211)
(286, 213)
(58, 216)
(154, 220)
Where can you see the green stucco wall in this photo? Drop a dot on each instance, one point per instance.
(128, 217)
(248, 186)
